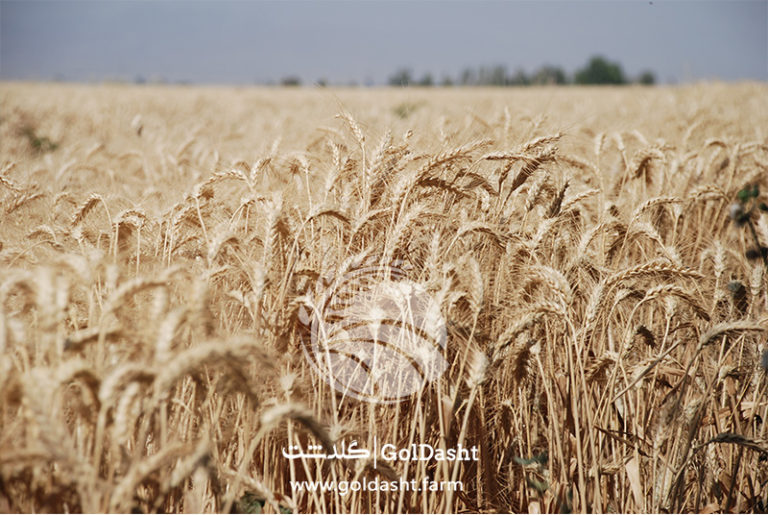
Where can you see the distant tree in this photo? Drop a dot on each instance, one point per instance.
(446, 82)
(647, 78)
(519, 78)
(483, 76)
(549, 75)
(321, 83)
(498, 76)
(401, 77)
(468, 77)
(291, 81)
(426, 80)
(600, 71)
(490, 76)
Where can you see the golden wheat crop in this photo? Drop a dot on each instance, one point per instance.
(604, 325)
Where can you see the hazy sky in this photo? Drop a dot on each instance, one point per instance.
(365, 41)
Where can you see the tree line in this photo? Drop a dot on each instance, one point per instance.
(598, 70)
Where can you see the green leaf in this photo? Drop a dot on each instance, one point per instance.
(755, 191)
(539, 486)
(744, 195)
(249, 503)
(541, 459)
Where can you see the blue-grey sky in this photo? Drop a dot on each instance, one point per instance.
(366, 41)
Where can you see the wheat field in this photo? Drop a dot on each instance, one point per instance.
(605, 318)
